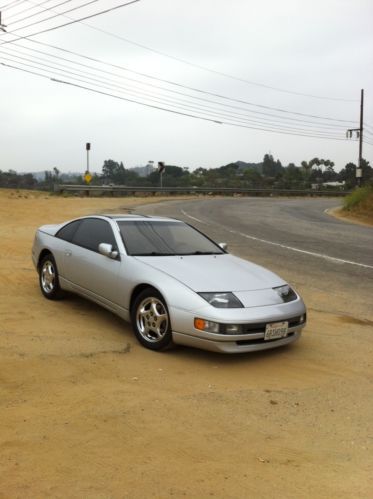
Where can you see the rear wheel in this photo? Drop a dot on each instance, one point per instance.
(151, 320)
(48, 278)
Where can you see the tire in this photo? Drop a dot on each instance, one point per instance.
(48, 278)
(151, 320)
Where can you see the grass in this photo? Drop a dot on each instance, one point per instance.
(360, 203)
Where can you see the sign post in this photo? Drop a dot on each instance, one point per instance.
(87, 175)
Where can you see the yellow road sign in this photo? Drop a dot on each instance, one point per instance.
(87, 177)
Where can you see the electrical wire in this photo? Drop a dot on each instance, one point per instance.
(9, 5)
(281, 118)
(198, 66)
(54, 16)
(47, 30)
(185, 105)
(32, 7)
(204, 118)
(38, 14)
(273, 118)
(179, 85)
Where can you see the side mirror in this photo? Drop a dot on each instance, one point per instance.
(107, 250)
(223, 246)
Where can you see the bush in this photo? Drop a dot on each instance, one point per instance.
(360, 199)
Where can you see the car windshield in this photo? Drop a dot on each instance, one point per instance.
(164, 238)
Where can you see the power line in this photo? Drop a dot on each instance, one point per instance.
(204, 68)
(273, 117)
(220, 73)
(169, 110)
(111, 9)
(51, 17)
(160, 99)
(34, 6)
(9, 5)
(37, 14)
(240, 101)
(282, 118)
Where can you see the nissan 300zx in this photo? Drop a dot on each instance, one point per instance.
(173, 283)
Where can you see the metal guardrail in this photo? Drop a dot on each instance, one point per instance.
(126, 190)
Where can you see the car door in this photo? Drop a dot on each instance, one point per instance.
(88, 271)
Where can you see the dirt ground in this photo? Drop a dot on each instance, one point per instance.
(361, 219)
(88, 413)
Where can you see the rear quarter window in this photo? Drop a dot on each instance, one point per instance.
(68, 231)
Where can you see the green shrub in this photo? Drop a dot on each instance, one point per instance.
(358, 197)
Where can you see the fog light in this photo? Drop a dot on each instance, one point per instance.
(233, 329)
(208, 326)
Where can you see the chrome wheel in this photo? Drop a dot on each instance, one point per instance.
(152, 320)
(48, 277)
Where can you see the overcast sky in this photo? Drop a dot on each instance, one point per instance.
(320, 48)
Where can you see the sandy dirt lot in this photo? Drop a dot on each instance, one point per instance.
(88, 413)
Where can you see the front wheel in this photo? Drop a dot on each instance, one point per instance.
(151, 320)
(48, 278)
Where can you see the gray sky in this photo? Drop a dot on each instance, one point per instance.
(323, 48)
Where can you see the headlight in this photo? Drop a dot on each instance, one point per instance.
(222, 300)
(287, 294)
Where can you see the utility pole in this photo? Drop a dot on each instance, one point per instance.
(2, 26)
(359, 172)
(359, 135)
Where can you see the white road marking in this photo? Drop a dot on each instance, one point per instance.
(291, 248)
(193, 218)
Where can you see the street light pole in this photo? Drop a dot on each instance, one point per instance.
(88, 148)
(87, 175)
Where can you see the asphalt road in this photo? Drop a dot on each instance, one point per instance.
(328, 260)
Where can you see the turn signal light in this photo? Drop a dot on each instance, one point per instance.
(208, 326)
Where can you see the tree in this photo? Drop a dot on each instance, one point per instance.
(270, 167)
(293, 177)
(112, 171)
(348, 174)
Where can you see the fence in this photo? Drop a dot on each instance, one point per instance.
(212, 191)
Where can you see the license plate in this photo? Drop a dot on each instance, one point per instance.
(276, 330)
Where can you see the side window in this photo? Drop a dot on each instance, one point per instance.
(93, 231)
(67, 232)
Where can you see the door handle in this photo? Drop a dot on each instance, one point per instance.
(68, 253)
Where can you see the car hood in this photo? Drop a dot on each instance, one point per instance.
(215, 272)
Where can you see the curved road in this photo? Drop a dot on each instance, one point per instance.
(326, 258)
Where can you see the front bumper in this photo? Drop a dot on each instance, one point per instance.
(232, 346)
(252, 340)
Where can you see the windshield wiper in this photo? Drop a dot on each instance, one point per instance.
(203, 253)
(153, 253)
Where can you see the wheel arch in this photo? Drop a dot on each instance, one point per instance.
(43, 254)
(139, 289)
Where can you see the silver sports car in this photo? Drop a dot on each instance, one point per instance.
(173, 283)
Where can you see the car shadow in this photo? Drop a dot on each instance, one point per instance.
(185, 352)
(84, 306)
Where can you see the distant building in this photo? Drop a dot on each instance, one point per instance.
(328, 184)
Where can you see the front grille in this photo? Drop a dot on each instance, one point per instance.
(261, 326)
(257, 341)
